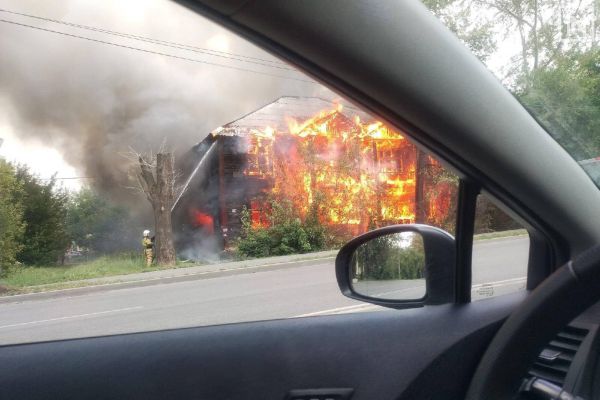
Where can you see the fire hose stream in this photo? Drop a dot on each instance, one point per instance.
(193, 174)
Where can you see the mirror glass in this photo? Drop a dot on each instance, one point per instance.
(391, 267)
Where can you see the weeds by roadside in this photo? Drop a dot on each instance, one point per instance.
(36, 279)
(122, 264)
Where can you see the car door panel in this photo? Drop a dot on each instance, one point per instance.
(378, 354)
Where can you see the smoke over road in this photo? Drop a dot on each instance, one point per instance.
(93, 101)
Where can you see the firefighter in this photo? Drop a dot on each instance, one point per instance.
(148, 245)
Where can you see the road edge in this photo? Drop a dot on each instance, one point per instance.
(177, 275)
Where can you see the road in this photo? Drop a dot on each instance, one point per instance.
(296, 291)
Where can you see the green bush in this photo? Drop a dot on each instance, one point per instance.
(412, 265)
(45, 239)
(97, 225)
(286, 233)
(12, 226)
(255, 242)
(407, 264)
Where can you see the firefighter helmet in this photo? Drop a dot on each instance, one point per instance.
(146, 232)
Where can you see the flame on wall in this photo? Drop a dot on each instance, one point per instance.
(360, 174)
(202, 220)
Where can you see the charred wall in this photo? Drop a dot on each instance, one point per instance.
(207, 218)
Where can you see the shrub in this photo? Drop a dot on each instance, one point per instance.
(255, 242)
(97, 225)
(44, 213)
(12, 226)
(286, 233)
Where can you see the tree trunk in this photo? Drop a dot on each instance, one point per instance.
(420, 206)
(534, 33)
(378, 212)
(525, 63)
(165, 251)
(161, 194)
(595, 23)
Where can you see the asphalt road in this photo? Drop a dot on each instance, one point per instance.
(296, 291)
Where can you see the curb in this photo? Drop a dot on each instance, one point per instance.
(502, 238)
(179, 275)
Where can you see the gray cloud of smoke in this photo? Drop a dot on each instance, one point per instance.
(93, 101)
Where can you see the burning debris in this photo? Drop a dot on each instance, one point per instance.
(304, 150)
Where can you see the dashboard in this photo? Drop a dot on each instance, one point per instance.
(570, 360)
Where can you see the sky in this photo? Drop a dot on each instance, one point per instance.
(72, 107)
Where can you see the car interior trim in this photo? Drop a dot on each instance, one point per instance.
(465, 229)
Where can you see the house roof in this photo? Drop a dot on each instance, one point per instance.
(277, 114)
(274, 115)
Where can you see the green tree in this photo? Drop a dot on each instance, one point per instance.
(44, 212)
(464, 20)
(12, 226)
(387, 258)
(555, 69)
(546, 30)
(96, 224)
(565, 97)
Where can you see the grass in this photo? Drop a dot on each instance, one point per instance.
(22, 277)
(35, 279)
(40, 279)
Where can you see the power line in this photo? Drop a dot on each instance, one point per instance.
(157, 52)
(140, 37)
(195, 49)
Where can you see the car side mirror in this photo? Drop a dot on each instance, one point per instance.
(398, 266)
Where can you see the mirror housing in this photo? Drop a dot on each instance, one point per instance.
(440, 259)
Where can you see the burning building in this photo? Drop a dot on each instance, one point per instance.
(308, 151)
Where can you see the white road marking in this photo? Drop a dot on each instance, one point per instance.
(357, 307)
(504, 282)
(71, 317)
(366, 307)
(337, 310)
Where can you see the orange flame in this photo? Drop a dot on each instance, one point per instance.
(201, 220)
(361, 174)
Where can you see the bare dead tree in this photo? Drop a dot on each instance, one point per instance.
(156, 178)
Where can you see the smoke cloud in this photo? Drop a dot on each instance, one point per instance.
(93, 101)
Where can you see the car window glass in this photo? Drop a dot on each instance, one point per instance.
(500, 252)
(159, 172)
(546, 53)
